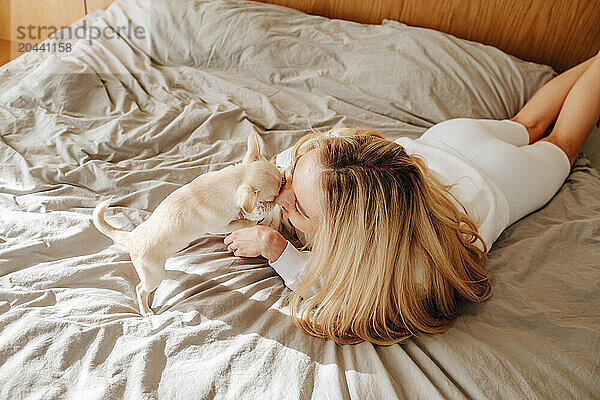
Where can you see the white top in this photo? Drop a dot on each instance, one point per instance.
(482, 199)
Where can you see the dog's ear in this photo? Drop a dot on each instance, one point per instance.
(253, 152)
(247, 197)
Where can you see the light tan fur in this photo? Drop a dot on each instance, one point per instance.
(211, 203)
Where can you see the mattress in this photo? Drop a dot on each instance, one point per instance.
(131, 117)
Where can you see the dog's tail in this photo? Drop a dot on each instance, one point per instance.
(117, 236)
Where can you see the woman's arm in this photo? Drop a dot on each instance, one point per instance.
(273, 244)
(259, 240)
(541, 110)
(291, 265)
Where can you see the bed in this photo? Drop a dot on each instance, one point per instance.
(135, 117)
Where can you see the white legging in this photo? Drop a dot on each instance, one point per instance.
(528, 175)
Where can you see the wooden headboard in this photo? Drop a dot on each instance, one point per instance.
(560, 33)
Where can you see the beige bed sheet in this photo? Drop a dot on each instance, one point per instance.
(133, 119)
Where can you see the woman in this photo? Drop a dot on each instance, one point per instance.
(400, 230)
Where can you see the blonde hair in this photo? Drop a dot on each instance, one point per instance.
(392, 252)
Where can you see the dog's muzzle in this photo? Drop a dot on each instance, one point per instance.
(260, 211)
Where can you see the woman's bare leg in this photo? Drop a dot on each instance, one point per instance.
(541, 110)
(579, 113)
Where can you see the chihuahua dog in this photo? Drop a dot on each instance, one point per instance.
(234, 197)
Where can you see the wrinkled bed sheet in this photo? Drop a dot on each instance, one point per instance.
(132, 119)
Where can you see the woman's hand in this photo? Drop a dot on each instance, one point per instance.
(257, 240)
